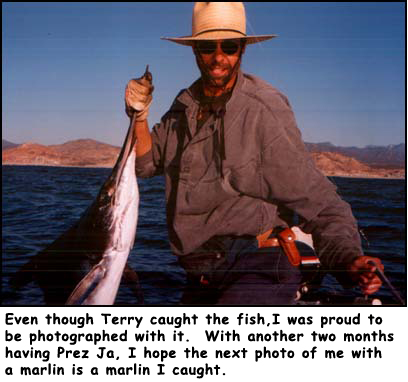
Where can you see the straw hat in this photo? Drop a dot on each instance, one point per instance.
(218, 21)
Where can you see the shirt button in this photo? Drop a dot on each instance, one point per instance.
(186, 169)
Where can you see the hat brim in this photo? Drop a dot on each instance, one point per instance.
(189, 40)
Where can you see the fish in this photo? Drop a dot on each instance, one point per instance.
(84, 266)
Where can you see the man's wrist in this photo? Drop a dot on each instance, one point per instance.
(141, 116)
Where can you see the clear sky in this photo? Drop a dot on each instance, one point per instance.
(65, 67)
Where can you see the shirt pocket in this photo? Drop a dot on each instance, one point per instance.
(246, 179)
(207, 195)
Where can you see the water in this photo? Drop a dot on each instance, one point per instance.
(39, 203)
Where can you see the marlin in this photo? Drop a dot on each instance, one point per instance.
(85, 264)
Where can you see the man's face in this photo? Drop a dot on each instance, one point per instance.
(217, 59)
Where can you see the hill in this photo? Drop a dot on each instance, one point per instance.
(7, 145)
(91, 153)
(79, 153)
(391, 156)
(334, 164)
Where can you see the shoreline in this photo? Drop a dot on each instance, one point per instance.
(367, 177)
(356, 176)
(55, 165)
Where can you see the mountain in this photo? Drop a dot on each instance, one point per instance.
(91, 153)
(335, 164)
(392, 156)
(7, 145)
(88, 152)
(79, 153)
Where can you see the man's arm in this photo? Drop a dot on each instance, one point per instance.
(138, 97)
(291, 178)
(144, 139)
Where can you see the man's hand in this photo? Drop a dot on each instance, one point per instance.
(138, 97)
(363, 273)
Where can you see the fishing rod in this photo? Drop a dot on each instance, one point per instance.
(387, 282)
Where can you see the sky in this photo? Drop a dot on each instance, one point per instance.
(65, 67)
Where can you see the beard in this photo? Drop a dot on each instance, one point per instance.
(215, 75)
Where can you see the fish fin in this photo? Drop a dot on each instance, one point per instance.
(40, 261)
(24, 275)
(86, 286)
(132, 280)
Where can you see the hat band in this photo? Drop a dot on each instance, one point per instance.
(219, 30)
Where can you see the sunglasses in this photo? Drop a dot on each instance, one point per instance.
(208, 47)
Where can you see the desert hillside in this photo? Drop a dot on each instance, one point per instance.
(334, 164)
(90, 153)
(79, 153)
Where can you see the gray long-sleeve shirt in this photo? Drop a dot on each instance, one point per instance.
(266, 167)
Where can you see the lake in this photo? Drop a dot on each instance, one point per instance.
(39, 203)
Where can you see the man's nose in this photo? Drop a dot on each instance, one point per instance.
(219, 55)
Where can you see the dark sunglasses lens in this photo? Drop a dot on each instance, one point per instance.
(206, 47)
(229, 47)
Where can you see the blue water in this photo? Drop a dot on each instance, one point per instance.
(39, 203)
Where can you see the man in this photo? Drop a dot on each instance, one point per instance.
(235, 165)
